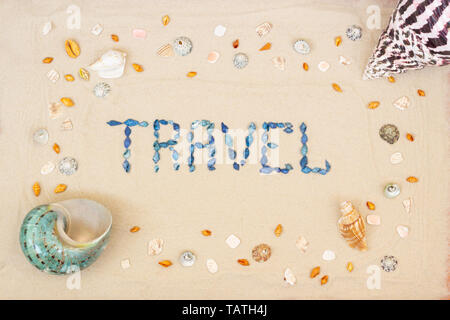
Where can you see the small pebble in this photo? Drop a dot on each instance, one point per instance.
(373, 219)
(354, 33)
(220, 30)
(389, 133)
(328, 255)
(139, 33)
(232, 241)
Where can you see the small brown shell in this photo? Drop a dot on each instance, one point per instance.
(115, 37)
(265, 47)
(138, 67)
(165, 20)
(352, 227)
(60, 188)
(69, 77)
(67, 102)
(56, 148)
(135, 229)
(261, 252)
(84, 74)
(314, 272)
(278, 230)
(165, 263)
(336, 87)
(36, 189)
(243, 262)
(206, 232)
(47, 60)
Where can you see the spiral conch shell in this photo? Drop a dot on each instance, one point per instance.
(110, 65)
(352, 227)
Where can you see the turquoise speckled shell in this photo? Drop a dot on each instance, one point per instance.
(65, 237)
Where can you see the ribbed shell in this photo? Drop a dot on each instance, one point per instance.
(352, 227)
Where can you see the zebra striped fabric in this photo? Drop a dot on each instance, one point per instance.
(417, 36)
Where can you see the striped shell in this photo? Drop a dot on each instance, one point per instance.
(65, 237)
(352, 227)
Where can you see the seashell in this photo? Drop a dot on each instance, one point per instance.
(165, 263)
(391, 79)
(56, 148)
(69, 77)
(46, 28)
(115, 37)
(396, 158)
(402, 103)
(279, 63)
(139, 33)
(421, 93)
(53, 75)
(354, 33)
(373, 219)
(68, 166)
(191, 74)
(36, 189)
(370, 205)
(338, 41)
(402, 231)
(232, 241)
(240, 60)
(111, 64)
(135, 229)
(243, 262)
(265, 47)
(47, 168)
(373, 104)
(97, 29)
(263, 29)
(352, 227)
(350, 267)
(40, 136)
(302, 47)
(66, 236)
(67, 102)
(328, 255)
(213, 56)
(72, 48)
(137, 67)
(182, 46)
(60, 188)
(305, 66)
(323, 66)
(324, 280)
(344, 61)
(125, 263)
(412, 179)
(407, 205)
(336, 87)
(261, 252)
(212, 266)
(302, 244)
(54, 110)
(314, 272)
(101, 89)
(67, 125)
(220, 30)
(187, 259)
(84, 74)
(206, 232)
(47, 60)
(278, 230)
(165, 51)
(165, 20)
(391, 190)
(389, 133)
(155, 247)
(410, 137)
(289, 277)
(236, 43)
(389, 263)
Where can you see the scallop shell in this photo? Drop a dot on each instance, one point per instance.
(53, 75)
(101, 89)
(352, 227)
(263, 29)
(111, 64)
(165, 51)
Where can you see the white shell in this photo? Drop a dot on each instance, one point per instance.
(46, 28)
(343, 60)
(402, 231)
(328, 255)
(53, 75)
(165, 51)
(402, 103)
(396, 158)
(323, 66)
(220, 30)
(233, 241)
(155, 247)
(279, 63)
(289, 277)
(40, 136)
(67, 125)
(54, 110)
(407, 205)
(302, 244)
(96, 30)
(263, 29)
(391, 190)
(212, 266)
(373, 219)
(125, 264)
(110, 65)
(47, 168)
